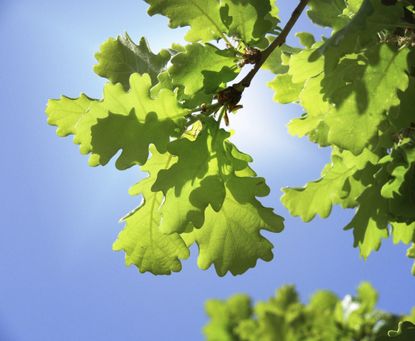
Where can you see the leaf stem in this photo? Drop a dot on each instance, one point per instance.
(221, 115)
(228, 43)
(206, 108)
(203, 112)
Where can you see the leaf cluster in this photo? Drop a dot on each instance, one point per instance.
(357, 91)
(163, 112)
(284, 317)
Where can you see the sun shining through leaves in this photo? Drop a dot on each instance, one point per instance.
(168, 113)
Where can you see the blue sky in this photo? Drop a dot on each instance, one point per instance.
(60, 279)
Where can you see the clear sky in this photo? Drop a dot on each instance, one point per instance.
(60, 280)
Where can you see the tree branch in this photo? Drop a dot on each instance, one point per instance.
(231, 96)
(280, 40)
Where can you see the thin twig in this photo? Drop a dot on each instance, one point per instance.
(206, 108)
(280, 40)
(239, 87)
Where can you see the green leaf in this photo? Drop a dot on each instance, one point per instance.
(399, 124)
(230, 238)
(336, 186)
(353, 7)
(362, 27)
(305, 64)
(272, 318)
(127, 133)
(249, 20)
(225, 316)
(323, 301)
(135, 121)
(285, 296)
(358, 116)
(202, 67)
(75, 116)
(145, 246)
(367, 297)
(359, 103)
(202, 16)
(403, 232)
(128, 120)
(286, 91)
(276, 61)
(328, 13)
(194, 181)
(400, 164)
(306, 39)
(119, 58)
(370, 224)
